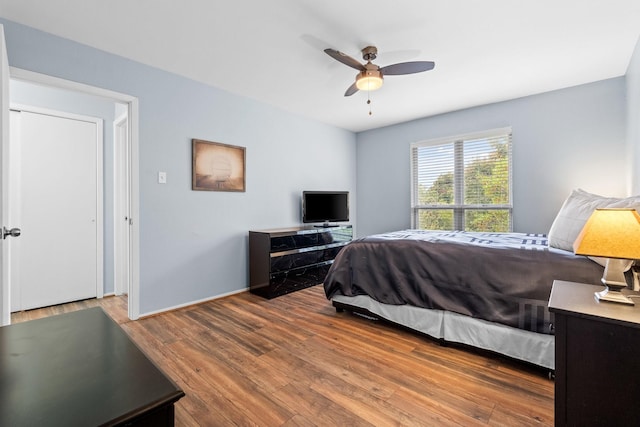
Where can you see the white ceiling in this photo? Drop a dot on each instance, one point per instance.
(272, 51)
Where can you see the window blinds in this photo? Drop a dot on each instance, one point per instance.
(463, 182)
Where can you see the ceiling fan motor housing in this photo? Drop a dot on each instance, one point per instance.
(369, 53)
(370, 78)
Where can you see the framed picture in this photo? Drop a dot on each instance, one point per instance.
(217, 167)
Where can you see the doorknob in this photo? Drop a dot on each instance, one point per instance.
(14, 232)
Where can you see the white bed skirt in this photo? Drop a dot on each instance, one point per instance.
(519, 344)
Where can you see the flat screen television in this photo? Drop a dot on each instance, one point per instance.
(325, 206)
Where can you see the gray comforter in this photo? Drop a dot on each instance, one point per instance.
(500, 277)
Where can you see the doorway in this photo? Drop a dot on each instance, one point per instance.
(125, 190)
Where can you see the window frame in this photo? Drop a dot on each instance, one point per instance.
(459, 208)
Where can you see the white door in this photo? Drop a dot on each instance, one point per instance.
(58, 206)
(5, 302)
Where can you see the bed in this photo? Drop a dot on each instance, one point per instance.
(485, 290)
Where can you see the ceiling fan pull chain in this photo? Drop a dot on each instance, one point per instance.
(369, 102)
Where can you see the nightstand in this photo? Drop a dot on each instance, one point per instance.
(597, 375)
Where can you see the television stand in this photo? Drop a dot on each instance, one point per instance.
(289, 259)
(326, 225)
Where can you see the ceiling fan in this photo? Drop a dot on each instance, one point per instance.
(370, 76)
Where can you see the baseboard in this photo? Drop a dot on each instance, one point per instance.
(187, 304)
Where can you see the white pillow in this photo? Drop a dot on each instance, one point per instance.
(575, 212)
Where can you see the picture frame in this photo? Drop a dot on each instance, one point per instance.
(218, 167)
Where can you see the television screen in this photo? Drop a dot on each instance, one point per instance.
(325, 206)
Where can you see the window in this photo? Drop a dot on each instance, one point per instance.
(463, 183)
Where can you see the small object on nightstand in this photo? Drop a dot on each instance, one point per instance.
(614, 234)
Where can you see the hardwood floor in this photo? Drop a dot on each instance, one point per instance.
(293, 361)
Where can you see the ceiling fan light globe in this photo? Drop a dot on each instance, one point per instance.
(369, 80)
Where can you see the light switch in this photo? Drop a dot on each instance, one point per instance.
(162, 177)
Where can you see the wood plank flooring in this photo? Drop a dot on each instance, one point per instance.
(293, 361)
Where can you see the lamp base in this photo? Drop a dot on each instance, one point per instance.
(613, 296)
(614, 281)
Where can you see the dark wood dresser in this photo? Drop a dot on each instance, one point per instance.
(80, 369)
(597, 358)
(288, 259)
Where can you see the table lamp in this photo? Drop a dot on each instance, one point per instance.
(613, 234)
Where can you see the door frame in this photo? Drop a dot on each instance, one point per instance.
(14, 177)
(121, 206)
(133, 167)
(5, 300)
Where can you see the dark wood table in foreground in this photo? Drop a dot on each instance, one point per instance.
(80, 369)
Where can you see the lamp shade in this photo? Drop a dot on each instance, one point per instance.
(610, 233)
(369, 80)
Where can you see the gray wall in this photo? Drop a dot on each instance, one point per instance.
(562, 140)
(633, 119)
(193, 244)
(61, 100)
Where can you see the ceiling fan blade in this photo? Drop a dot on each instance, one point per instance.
(345, 59)
(407, 68)
(352, 89)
